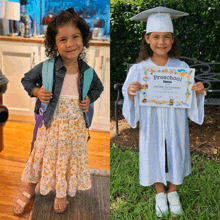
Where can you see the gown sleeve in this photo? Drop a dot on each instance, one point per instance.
(130, 108)
(196, 112)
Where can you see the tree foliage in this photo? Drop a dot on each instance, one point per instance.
(198, 33)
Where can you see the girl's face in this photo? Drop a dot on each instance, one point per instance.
(160, 43)
(69, 42)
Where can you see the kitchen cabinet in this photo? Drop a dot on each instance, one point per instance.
(18, 57)
(99, 59)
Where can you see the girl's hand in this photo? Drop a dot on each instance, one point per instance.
(132, 88)
(199, 88)
(42, 94)
(84, 105)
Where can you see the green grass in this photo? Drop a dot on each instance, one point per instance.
(199, 193)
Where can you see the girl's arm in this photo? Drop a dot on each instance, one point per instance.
(196, 112)
(130, 108)
(42, 94)
(33, 80)
(84, 105)
(132, 88)
(95, 89)
(199, 88)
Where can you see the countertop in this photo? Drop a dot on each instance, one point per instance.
(40, 40)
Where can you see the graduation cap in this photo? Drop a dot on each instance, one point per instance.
(159, 19)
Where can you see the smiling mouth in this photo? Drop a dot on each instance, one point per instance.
(69, 51)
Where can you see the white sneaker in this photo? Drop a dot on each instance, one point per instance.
(174, 201)
(161, 204)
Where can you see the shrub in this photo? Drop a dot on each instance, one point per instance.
(198, 33)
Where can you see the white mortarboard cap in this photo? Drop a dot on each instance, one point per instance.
(159, 19)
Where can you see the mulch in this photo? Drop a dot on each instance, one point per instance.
(204, 139)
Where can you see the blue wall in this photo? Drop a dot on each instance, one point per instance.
(90, 10)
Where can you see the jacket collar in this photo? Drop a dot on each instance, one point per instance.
(59, 65)
(82, 65)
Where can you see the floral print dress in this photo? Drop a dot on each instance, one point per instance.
(59, 160)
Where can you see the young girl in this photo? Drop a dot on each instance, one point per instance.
(164, 151)
(59, 160)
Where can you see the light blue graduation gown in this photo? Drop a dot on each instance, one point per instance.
(157, 124)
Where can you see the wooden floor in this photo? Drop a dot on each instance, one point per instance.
(17, 139)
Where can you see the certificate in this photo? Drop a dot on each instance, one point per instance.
(166, 86)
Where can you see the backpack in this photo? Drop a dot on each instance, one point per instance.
(47, 78)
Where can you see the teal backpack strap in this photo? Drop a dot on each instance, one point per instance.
(87, 80)
(47, 75)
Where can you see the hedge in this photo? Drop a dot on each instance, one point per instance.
(198, 33)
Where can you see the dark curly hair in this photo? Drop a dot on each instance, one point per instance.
(63, 18)
(146, 52)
